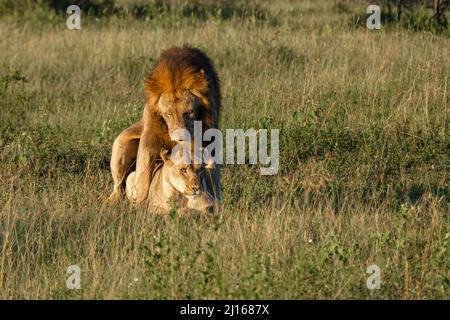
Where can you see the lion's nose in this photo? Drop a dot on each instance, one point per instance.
(180, 135)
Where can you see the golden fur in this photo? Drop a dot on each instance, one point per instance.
(181, 88)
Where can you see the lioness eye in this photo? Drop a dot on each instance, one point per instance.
(183, 171)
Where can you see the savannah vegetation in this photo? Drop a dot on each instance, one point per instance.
(364, 152)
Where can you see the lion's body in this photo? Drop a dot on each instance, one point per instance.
(182, 87)
(169, 186)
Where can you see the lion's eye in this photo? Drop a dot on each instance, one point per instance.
(183, 171)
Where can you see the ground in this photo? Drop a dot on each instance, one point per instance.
(364, 155)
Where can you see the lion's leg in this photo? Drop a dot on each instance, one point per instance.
(212, 182)
(124, 152)
(154, 136)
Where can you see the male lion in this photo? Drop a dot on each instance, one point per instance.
(182, 87)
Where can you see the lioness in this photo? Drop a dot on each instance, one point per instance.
(174, 181)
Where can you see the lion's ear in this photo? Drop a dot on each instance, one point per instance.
(164, 154)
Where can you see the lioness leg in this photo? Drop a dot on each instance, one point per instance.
(124, 152)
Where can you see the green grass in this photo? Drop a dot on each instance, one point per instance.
(364, 156)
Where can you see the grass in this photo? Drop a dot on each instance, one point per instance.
(364, 157)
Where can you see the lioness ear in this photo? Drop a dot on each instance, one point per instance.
(164, 154)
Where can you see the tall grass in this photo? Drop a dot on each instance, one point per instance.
(364, 158)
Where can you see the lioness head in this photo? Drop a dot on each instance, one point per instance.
(184, 177)
(179, 110)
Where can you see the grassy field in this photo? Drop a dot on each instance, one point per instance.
(364, 155)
